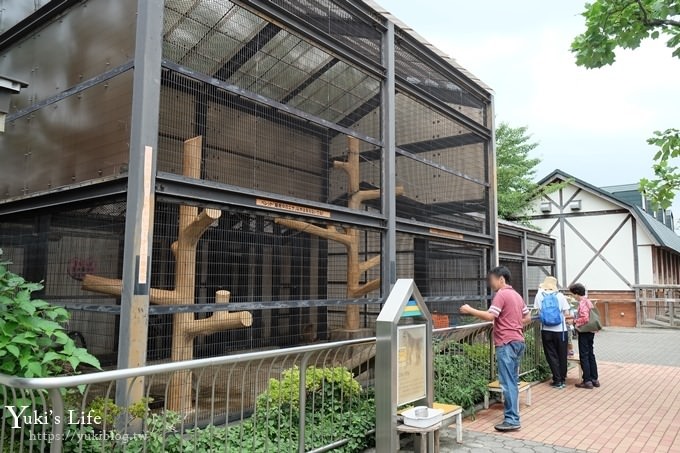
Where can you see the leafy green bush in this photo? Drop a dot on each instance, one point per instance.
(462, 371)
(461, 374)
(336, 407)
(33, 341)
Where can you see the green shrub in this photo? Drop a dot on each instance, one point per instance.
(336, 408)
(462, 371)
(33, 341)
(461, 374)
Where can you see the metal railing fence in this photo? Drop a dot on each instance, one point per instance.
(311, 398)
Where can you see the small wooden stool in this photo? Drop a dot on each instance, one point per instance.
(420, 445)
(495, 387)
(451, 411)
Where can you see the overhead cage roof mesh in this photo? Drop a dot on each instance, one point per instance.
(233, 44)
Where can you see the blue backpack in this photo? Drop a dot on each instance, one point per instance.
(550, 310)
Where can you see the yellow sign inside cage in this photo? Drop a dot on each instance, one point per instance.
(298, 209)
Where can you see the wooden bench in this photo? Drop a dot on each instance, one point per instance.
(495, 387)
(451, 414)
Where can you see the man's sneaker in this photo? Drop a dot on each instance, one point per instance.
(562, 385)
(555, 384)
(585, 385)
(505, 427)
(596, 383)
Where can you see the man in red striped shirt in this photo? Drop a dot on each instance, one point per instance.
(509, 313)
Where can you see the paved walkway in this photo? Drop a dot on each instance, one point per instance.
(476, 442)
(647, 346)
(636, 410)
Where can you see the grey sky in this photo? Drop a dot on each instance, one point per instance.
(591, 123)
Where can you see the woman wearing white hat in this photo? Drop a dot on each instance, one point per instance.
(553, 308)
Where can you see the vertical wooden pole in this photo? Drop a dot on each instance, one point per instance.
(179, 390)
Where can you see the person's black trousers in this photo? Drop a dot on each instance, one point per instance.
(586, 354)
(555, 349)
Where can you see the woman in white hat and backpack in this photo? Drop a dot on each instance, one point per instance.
(553, 309)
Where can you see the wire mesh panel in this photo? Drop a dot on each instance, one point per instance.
(60, 248)
(441, 167)
(227, 42)
(248, 144)
(446, 269)
(536, 274)
(537, 248)
(447, 274)
(518, 280)
(244, 144)
(339, 22)
(418, 72)
(254, 258)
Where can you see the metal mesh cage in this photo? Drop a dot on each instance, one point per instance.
(441, 166)
(447, 274)
(60, 247)
(338, 21)
(270, 151)
(422, 75)
(228, 43)
(248, 144)
(540, 248)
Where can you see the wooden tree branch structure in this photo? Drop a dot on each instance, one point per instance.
(192, 225)
(349, 237)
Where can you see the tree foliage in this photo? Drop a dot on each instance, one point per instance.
(662, 189)
(516, 171)
(614, 24)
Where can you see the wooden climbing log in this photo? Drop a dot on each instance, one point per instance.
(185, 327)
(349, 237)
(220, 320)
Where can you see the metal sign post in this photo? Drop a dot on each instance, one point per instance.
(403, 360)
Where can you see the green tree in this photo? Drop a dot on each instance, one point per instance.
(516, 171)
(614, 24)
